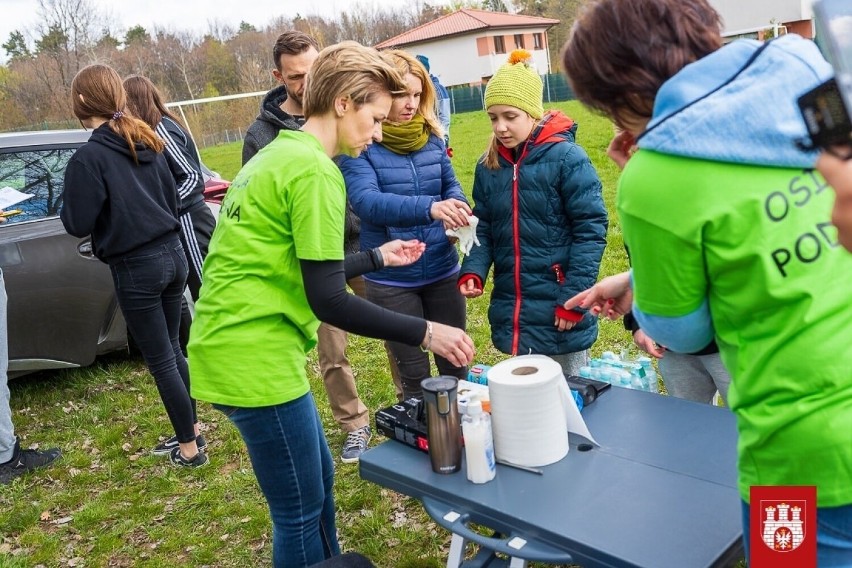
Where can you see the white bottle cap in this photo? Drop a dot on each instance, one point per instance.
(474, 408)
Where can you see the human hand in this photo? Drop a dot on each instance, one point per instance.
(451, 343)
(838, 173)
(469, 289)
(563, 324)
(611, 297)
(453, 212)
(648, 345)
(621, 147)
(401, 253)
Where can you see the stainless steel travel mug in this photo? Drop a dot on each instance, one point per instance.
(442, 422)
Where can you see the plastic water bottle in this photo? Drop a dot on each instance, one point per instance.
(478, 374)
(478, 444)
(648, 365)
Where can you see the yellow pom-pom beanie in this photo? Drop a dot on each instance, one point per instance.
(517, 84)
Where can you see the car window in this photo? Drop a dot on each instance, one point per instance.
(39, 173)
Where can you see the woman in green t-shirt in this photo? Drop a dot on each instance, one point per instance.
(274, 269)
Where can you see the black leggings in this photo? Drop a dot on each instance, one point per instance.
(441, 302)
(196, 229)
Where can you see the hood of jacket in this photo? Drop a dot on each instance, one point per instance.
(738, 104)
(270, 110)
(104, 135)
(554, 127)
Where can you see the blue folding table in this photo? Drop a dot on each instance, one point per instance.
(659, 492)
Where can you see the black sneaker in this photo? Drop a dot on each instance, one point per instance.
(177, 458)
(356, 443)
(26, 460)
(165, 448)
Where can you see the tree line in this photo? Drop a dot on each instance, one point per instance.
(35, 81)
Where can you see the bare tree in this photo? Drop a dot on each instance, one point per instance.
(253, 52)
(68, 29)
(178, 58)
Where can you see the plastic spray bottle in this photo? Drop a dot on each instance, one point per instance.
(478, 444)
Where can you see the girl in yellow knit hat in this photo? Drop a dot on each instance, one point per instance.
(542, 222)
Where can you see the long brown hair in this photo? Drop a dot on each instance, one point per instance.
(406, 63)
(145, 101)
(97, 92)
(620, 52)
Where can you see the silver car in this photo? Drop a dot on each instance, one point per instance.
(62, 307)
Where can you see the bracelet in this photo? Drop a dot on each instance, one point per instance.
(425, 348)
(378, 258)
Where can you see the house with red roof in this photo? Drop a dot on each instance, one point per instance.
(467, 46)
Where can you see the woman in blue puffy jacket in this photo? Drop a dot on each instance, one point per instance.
(404, 188)
(542, 223)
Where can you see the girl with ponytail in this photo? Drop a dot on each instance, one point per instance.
(118, 189)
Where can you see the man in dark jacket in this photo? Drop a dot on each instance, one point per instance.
(294, 53)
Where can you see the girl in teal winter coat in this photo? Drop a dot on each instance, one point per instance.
(542, 223)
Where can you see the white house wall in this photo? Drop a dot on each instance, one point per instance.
(747, 15)
(450, 59)
(455, 60)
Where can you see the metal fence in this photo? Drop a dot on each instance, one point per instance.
(209, 131)
(467, 98)
(47, 125)
(223, 137)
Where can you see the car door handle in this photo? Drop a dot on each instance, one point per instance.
(85, 248)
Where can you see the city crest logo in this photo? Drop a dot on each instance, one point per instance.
(783, 524)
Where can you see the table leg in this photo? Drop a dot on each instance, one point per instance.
(457, 547)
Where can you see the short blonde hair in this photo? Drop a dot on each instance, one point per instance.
(349, 69)
(406, 63)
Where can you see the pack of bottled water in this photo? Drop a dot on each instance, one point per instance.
(622, 371)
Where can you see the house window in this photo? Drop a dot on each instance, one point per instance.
(519, 41)
(537, 41)
(499, 44)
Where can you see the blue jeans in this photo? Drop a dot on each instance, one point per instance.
(834, 535)
(295, 471)
(149, 285)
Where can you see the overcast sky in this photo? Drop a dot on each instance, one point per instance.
(193, 15)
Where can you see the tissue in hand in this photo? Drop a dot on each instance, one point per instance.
(466, 235)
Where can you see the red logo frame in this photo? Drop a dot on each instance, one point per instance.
(783, 527)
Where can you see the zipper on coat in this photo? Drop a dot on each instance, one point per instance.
(516, 244)
(421, 236)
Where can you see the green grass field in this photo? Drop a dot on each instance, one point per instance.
(108, 502)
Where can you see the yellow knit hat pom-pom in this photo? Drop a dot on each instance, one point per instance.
(520, 56)
(516, 85)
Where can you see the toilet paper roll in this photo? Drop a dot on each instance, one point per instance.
(528, 416)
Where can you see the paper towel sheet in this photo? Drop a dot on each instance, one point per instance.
(576, 423)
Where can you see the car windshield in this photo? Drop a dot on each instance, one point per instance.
(38, 173)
